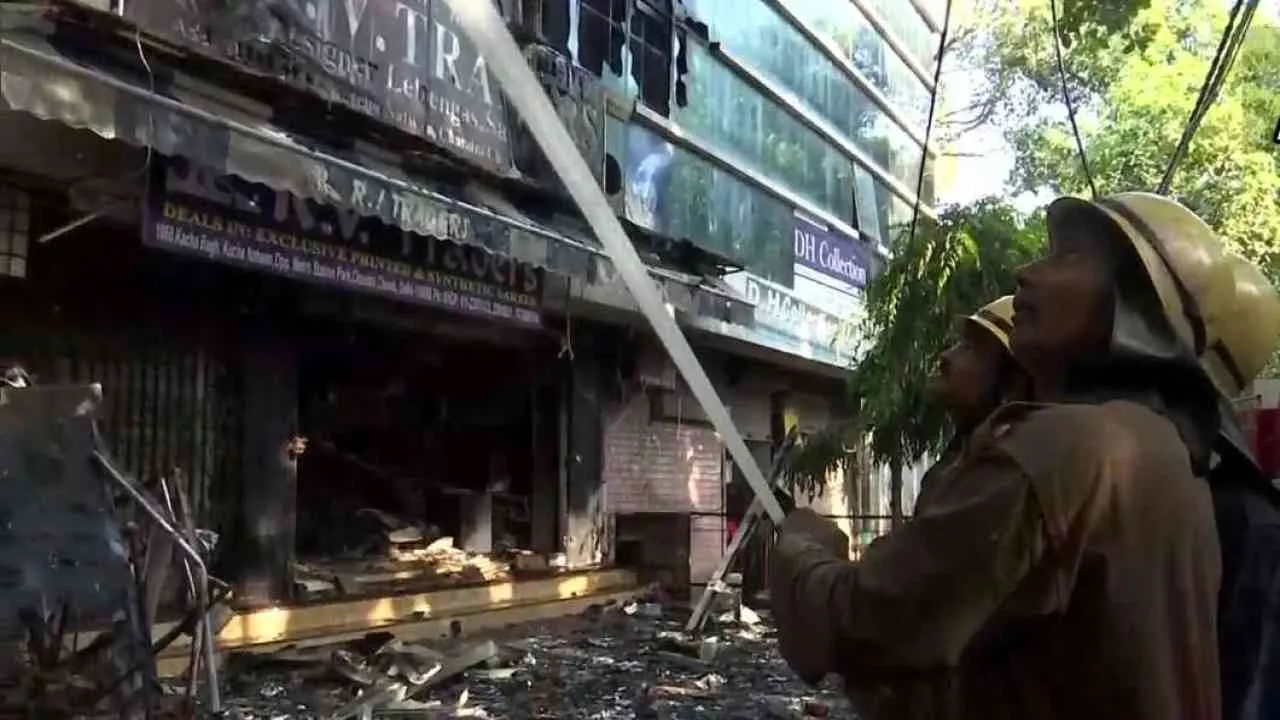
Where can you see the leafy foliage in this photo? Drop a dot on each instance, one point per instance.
(946, 271)
(1009, 46)
(1134, 69)
(1137, 109)
(1230, 174)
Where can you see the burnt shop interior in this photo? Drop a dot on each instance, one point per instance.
(424, 451)
(426, 432)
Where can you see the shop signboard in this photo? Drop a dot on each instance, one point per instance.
(404, 63)
(784, 320)
(229, 220)
(579, 100)
(830, 257)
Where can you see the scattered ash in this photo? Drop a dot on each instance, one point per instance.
(629, 662)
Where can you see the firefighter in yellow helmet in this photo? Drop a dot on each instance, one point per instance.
(976, 375)
(1068, 566)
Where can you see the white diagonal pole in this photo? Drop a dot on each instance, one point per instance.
(482, 23)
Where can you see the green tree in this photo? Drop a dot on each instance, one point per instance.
(1257, 74)
(941, 273)
(1007, 45)
(1135, 90)
(1134, 68)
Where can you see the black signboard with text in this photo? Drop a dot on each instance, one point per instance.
(402, 62)
(579, 100)
(228, 220)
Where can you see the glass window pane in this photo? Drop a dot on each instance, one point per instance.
(631, 53)
(844, 24)
(906, 24)
(678, 194)
(760, 37)
(882, 214)
(730, 115)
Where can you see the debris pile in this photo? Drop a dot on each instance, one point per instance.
(628, 662)
(402, 553)
(444, 560)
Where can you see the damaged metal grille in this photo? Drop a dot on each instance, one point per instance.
(166, 405)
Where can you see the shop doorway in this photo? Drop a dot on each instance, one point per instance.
(424, 456)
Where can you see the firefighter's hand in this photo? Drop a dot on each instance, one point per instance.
(805, 540)
(808, 527)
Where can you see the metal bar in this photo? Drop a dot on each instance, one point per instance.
(481, 22)
(202, 589)
(750, 520)
(192, 579)
(745, 529)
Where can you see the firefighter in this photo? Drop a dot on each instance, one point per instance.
(1068, 566)
(975, 376)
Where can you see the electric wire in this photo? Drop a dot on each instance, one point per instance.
(1066, 98)
(1224, 58)
(928, 126)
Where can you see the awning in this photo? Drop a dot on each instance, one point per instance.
(51, 84)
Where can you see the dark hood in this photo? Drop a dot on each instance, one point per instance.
(1148, 365)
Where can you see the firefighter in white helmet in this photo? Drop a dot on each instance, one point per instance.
(1068, 566)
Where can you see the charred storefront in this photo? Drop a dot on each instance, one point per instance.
(352, 414)
(408, 381)
(360, 380)
(352, 315)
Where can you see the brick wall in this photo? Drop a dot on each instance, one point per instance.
(669, 466)
(659, 466)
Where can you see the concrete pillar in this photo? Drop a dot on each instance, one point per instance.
(265, 552)
(585, 527)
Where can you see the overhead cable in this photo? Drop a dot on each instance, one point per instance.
(1233, 37)
(1066, 98)
(928, 126)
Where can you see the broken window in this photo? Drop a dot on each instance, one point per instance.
(729, 114)
(602, 36)
(651, 45)
(548, 18)
(677, 193)
(628, 44)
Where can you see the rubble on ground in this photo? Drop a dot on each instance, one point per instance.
(404, 553)
(628, 661)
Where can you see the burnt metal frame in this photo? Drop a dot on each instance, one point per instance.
(17, 378)
(192, 557)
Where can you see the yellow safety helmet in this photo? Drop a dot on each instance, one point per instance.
(1219, 305)
(996, 317)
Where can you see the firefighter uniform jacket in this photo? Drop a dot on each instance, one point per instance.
(1066, 567)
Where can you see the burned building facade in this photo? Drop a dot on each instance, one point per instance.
(326, 279)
